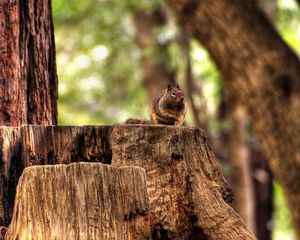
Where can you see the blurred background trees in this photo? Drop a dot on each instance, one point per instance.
(114, 56)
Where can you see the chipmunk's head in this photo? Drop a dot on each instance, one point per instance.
(174, 96)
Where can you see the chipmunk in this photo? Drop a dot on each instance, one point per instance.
(169, 107)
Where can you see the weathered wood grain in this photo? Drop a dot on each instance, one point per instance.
(45, 145)
(80, 201)
(63, 144)
(11, 167)
(189, 198)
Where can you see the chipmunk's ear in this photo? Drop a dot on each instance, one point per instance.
(177, 86)
(169, 87)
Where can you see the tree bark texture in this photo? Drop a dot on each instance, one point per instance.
(155, 60)
(21, 147)
(28, 79)
(80, 201)
(264, 73)
(188, 196)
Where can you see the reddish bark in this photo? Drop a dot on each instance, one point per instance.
(28, 83)
(28, 80)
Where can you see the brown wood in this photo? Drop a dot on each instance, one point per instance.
(263, 184)
(28, 79)
(264, 73)
(261, 172)
(45, 145)
(188, 196)
(81, 201)
(184, 179)
(190, 84)
(239, 156)
(11, 168)
(269, 7)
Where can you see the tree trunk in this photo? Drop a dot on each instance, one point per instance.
(239, 155)
(191, 88)
(261, 173)
(155, 60)
(265, 74)
(28, 80)
(263, 184)
(81, 201)
(188, 196)
(243, 153)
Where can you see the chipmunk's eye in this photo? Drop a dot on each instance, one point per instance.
(173, 94)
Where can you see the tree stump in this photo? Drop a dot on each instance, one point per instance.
(25, 146)
(188, 196)
(80, 201)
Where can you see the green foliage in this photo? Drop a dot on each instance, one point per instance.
(98, 62)
(283, 228)
(288, 23)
